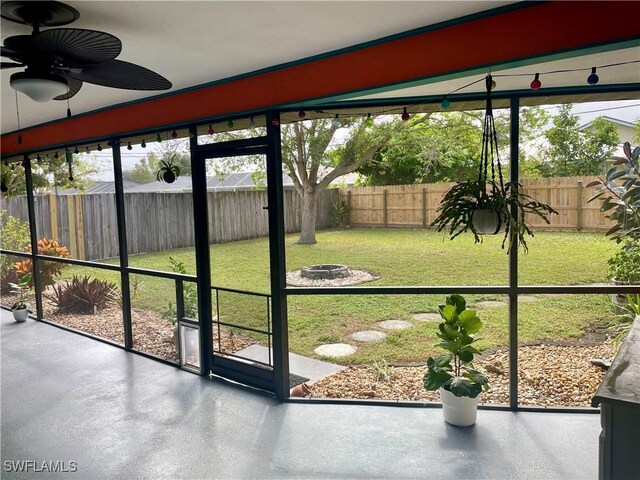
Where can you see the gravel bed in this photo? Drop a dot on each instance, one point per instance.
(295, 279)
(151, 332)
(550, 375)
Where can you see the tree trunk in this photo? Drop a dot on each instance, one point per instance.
(309, 218)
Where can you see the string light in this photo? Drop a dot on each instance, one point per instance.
(99, 147)
(88, 151)
(210, 131)
(143, 144)
(369, 121)
(56, 155)
(593, 78)
(230, 124)
(158, 138)
(252, 123)
(405, 115)
(76, 151)
(336, 121)
(129, 147)
(174, 134)
(275, 122)
(536, 83)
(302, 114)
(445, 103)
(38, 158)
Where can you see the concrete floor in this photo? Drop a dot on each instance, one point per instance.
(119, 415)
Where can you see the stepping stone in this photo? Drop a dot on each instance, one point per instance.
(335, 350)
(527, 298)
(490, 304)
(426, 317)
(367, 336)
(394, 325)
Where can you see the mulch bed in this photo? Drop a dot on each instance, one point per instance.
(549, 375)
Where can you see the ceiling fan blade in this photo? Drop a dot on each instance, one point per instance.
(11, 65)
(76, 46)
(74, 87)
(119, 74)
(10, 53)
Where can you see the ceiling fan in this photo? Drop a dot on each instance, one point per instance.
(58, 61)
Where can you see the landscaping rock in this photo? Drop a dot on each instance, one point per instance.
(335, 350)
(366, 336)
(394, 325)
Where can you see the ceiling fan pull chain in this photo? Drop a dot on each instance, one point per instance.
(18, 116)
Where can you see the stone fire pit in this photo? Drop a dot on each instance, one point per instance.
(327, 271)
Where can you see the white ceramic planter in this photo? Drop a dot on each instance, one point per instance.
(487, 222)
(459, 411)
(20, 315)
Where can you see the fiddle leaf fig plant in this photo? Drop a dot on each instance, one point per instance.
(454, 370)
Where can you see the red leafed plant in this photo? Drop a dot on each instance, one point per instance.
(48, 270)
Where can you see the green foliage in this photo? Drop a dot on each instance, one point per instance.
(383, 370)
(463, 199)
(339, 214)
(454, 371)
(146, 170)
(14, 235)
(624, 266)
(49, 271)
(22, 287)
(190, 294)
(620, 195)
(572, 151)
(627, 313)
(83, 295)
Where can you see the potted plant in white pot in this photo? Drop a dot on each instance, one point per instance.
(453, 373)
(21, 309)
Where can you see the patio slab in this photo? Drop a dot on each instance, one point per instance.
(307, 367)
(120, 415)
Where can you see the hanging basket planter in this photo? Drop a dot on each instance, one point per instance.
(489, 205)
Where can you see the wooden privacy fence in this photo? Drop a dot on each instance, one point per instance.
(156, 221)
(416, 205)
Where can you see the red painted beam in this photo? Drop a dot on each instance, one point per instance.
(533, 30)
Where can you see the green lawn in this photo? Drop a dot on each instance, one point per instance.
(400, 257)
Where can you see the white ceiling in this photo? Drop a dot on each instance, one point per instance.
(195, 42)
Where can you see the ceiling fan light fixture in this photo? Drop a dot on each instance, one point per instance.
(39, 87)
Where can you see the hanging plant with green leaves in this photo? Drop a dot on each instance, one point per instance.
(168, 172)
(489, 205)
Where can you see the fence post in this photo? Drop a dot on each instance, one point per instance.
(349, 207)
(53, 211)
(71, 216)
(579, 207)
(384, 208)
(424, 208)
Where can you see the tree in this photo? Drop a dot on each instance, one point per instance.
(49, 172)
(446, 147)
(144, 171)
(312, 160)
(572, 151)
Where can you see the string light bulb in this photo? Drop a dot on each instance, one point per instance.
(493, 84)
(158, 138)
(99, 147)
(252, 122)
(38, 158)
(56, 155)
(302, 114)
(405, 115)
(174, 134)
(593, 78)
(369, 121)
(275, 122)
(445, 103)
(336, 121)
(129, 147)
(536, 83)
(76, 151)
(210, 131)
(230, 124)
(19, 139)
(143, 144)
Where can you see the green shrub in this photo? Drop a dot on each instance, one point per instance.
(190, 295)
(339, 214)
(14, 235)
(83, 295)
(624, 266)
